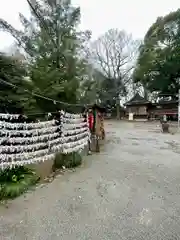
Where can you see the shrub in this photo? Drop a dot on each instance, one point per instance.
(70, 160)
(15, 181)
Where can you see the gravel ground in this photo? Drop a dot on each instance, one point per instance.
(128, 191)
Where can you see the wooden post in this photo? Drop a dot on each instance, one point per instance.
(97, 144)
(97, 132)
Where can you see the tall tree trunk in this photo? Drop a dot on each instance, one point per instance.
(145, 92)
(117, 109)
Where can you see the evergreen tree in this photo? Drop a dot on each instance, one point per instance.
(12, 99)
(158, 65)
(52, 45)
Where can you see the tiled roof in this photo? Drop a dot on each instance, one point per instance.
(137, 99)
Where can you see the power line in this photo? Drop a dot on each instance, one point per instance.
(43, 97)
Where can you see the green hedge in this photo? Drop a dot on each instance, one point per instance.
(70, 160)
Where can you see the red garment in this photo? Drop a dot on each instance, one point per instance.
(90, 120)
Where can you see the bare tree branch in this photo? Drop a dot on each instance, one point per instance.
(113, 53)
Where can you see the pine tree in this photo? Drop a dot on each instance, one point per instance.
(52, 45)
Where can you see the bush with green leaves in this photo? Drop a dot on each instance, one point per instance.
(15, 181)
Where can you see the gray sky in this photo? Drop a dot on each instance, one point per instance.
(134, 16)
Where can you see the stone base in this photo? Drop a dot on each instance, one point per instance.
(165, 127)
(46, 168)
(43, 169)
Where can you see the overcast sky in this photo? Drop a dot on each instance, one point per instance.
(134, 16)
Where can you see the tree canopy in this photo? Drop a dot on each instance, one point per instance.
(12, 73)
(52, 46)
(113, 54)
(63, 64)
(158, 65)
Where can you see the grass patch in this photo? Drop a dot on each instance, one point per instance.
(14, 182)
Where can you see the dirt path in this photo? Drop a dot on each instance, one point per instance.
(129, 191)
